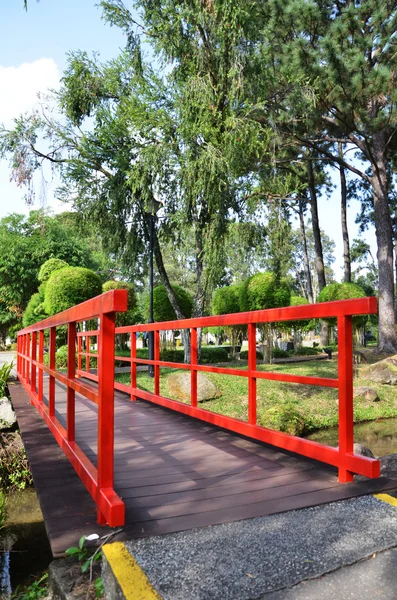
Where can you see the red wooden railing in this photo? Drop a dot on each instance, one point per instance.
(99, 482)
(342, 457)
(31, 368)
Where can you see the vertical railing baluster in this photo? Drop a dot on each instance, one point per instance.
(345, 381)
(193, 361)
(51, 383)
(106, 355)
(41, 372)
(156, 358)
(133, 364)
(251, 369)
(88, 350)
(33, 366)
(79, 359)
(71, 395)
(28, 360)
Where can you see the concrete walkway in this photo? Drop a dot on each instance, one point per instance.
(345, 549)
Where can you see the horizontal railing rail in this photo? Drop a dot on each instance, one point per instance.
(99, 479)
(342, 457)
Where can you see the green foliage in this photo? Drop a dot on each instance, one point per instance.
(162, 309)
(306, 351)
(87, 558)
(34, 311)
(70, 286)
(304, 324)
(49, 267)
(277, 353)
(14, 467)
(128, 317)
(263, 290)
(244, 355)
(36, 590)
(213, 354)
(5, 371)
(286, 417)
(343, 291)
(226, 300)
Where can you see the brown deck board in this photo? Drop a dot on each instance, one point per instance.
(173, 473)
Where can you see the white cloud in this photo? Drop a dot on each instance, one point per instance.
(20, 85)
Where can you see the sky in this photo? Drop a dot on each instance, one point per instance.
(33, 53)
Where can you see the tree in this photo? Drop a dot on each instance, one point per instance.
(225, 301)
(342, 53)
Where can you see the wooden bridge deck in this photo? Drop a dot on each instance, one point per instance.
(172, 472)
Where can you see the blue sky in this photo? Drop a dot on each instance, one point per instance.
(33, 49)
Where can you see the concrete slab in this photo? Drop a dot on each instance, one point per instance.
(249, 559)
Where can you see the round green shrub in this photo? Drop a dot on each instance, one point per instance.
(226, 300)
(342, 291)
(49, 267)
(162, 309)
(129, 316)
(263, 290)
(70, 286)
(284, 417)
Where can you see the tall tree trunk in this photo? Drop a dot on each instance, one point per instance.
(318, 247)
(384, 236)
(185, 334)
(309, 286)
(347, 274)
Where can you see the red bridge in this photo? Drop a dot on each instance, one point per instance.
(155, 465)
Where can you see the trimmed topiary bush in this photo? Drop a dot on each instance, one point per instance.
(162, 309)
(49, 267)
(343, 291)
(285, 417)
(70, 286)
(264, 291)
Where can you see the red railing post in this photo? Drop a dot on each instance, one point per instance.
(41, 373)
(33, 359)
(51, 384)
(79, 360)
(70, 397)
(133, 363)
(29, 359)
(105, 407)
(251, 369)
(193, 361)
(156, 366)
(345, 377)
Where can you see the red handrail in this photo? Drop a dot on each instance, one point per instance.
(99, 480)
(342, 457)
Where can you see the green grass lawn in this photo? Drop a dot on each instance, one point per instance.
(294, 408)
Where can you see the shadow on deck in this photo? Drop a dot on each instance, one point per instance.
(173, 473)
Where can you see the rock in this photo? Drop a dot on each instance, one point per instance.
(179, 386)
(362, 450)
(384, 371)
(7, 415)
(388, 466)
(366, 393)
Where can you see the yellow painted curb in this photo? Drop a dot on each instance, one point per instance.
(132, 580)
(386, 498)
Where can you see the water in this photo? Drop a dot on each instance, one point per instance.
(24, 549)
(380, 436)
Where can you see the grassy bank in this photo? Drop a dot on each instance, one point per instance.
(294, 408)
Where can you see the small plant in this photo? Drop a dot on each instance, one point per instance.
(5, 371)
(87, 559)
(36, 590)
(14, 467)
